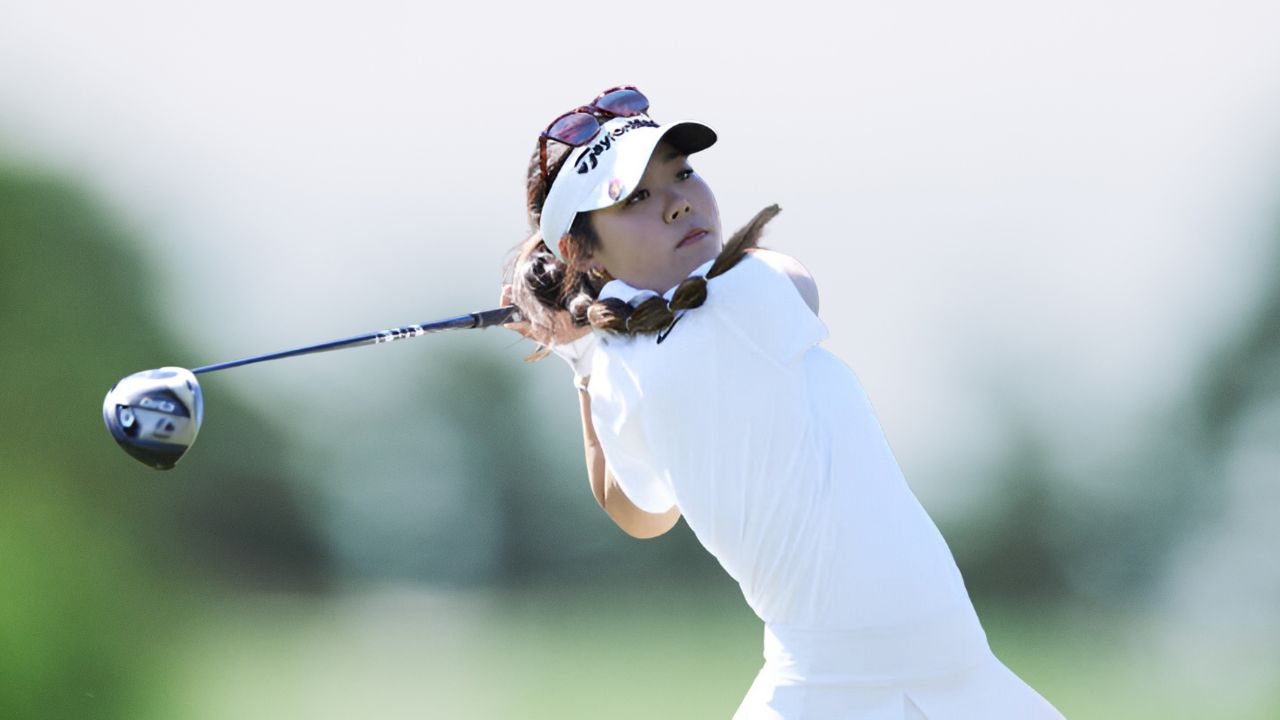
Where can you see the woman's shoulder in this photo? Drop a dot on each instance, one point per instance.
(786, 265)
(769, 299)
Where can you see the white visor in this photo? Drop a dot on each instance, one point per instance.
(607, 169)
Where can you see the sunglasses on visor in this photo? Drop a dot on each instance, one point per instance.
(579, 125)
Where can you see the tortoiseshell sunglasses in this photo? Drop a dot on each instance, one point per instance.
(579, 125)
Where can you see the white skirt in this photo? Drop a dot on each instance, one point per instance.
(937, 670)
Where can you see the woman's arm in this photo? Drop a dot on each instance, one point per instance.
(635, 522)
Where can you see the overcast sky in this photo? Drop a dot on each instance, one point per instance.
(1062, 204)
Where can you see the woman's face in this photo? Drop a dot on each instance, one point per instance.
(667, 227)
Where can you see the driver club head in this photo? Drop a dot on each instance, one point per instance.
(155, 414)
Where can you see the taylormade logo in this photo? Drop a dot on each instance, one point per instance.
(590, 157)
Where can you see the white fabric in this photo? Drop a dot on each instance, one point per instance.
(773, 453)
(934, 667)
(578, 355)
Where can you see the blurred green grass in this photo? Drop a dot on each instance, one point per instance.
(412, 652)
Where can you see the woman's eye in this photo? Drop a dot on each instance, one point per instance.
(637, 196)
(685, 174)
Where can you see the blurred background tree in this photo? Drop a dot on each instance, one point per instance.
(99, 558)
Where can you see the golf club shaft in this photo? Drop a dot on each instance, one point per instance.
(476, 320)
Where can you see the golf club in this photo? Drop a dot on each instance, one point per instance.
(155, 414)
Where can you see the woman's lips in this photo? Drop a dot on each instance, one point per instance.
(692, 237)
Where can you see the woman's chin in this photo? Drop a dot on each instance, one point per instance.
(707, 250)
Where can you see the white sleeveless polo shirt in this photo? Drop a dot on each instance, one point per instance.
(773, 453)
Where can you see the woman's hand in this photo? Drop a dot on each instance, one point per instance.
(521, 327)
(561, 332)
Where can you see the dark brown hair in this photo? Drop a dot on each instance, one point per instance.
(544, 287)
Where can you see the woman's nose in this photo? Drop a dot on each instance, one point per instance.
(677, 206)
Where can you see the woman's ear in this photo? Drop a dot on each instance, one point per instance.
(564, 246)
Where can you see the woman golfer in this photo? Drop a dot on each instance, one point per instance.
(705, 393)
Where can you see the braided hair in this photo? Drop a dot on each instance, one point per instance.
(656, 313)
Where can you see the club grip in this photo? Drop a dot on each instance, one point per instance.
(497, 316)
